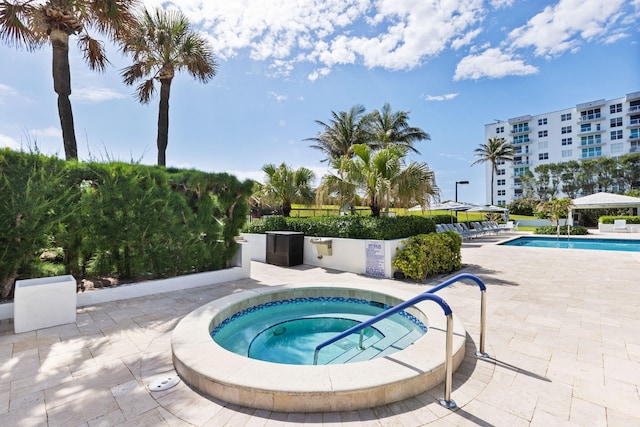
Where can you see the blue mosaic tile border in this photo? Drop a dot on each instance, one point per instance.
(258, 307)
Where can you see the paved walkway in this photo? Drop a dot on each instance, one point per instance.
(562, 334)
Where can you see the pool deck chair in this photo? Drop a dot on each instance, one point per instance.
(620, 225)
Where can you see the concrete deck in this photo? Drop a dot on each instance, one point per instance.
(562, 334)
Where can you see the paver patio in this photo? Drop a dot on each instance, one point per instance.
(562, 334)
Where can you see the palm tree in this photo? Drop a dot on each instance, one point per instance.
(162, 44)
(494, 151)
(385, 178)
(555, 209)
(338, 136)
(30, 24)
(388, 127)
(287, 186)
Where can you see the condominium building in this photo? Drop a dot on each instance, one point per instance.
(602, 128)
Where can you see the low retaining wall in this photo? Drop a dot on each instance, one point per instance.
(369, 257)
(241, 270)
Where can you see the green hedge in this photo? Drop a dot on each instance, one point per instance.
(553, 230)
(611, 219)
(350, 227)
(115, 219)
(426, 255)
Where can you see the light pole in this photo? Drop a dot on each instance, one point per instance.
(459, 182)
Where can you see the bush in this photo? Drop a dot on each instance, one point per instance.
(611, 219)
(552, 230)
(426, 255)
(349, 227)
(124, 220)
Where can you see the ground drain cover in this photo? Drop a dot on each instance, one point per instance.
(164, 383)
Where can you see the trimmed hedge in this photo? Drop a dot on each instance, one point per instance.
(553, 230)
(426, 255)
(349, 227)
(611, 219)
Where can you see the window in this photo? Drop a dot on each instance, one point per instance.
(615, 108)
(502, 192)
(543, 156)
(501, 172)
(567, 141)
(502, 202)
(617, 148)
(591, 152)
(542, 133)
(542, 121)
(520, 127)
(565, 117)
(520, 139)
(591, 140)
(585, 128)
(566, 129)
(590, 114)
(543, 144)
(502, 182)
(635, 134)
(567, 153)
(616, 122)
(635, 147)
(616, 134)
(500, 129)
(519, 171)
(500, 162)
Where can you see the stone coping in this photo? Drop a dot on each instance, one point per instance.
(217, 372)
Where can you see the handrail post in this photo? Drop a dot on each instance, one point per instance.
(448, 366)
(360, 347)
(483, 323)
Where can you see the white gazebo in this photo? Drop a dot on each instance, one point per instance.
(604, 201)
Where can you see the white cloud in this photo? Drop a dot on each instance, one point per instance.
(6, 91)
(278, 97)
(492, 63)
(96, 94)
(397, 34)
(7, 141)
(564, 26)
(444, 97)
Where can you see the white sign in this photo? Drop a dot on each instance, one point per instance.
(374, 258)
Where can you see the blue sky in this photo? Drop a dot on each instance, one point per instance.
(456, 65)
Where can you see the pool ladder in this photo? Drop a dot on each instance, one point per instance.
(446, 401)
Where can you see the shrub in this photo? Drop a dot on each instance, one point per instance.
(350, 227)
(426, 255)
(611, 219)
(552, 230)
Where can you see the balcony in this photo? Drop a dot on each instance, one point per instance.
(590, 118)
(523, 141)
(634, 123)
(634, 149)
(521, 163)
(515, 132)
(589, 131)
(593, 143)
(633, 109)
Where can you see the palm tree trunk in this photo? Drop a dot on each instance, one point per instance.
(62, 86)
(493, 171)
(163, 121)
(375, 210)
(286, 209)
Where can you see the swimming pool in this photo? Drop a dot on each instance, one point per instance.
(576, 243)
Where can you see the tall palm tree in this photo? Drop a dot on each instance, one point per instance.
(389, 127)
(494, 151)
(286, 185)
(162, 44)
(341, 133)
(30, 24)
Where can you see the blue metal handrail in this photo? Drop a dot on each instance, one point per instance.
(393, 310)
(428, 295)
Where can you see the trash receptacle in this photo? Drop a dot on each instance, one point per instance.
(284, 248)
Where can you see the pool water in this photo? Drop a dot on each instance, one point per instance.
(577, 243)
(288, 331)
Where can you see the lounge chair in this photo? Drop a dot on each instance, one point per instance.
(620, 225)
